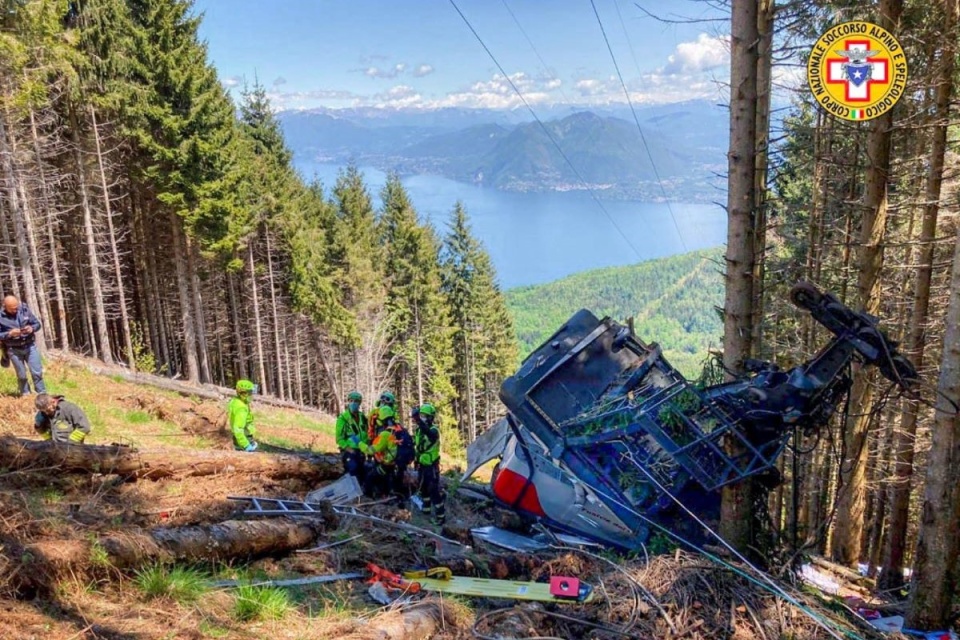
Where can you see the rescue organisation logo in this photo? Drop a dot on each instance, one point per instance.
(857, 71)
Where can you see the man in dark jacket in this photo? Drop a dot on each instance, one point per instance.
(18, 328)
(60, 420)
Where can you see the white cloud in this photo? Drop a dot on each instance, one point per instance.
(423, 70)
(392, 72)
(498, 93)
(705, 53)
(279, 80)
(232, 81)
(398, 96)
(281, 100)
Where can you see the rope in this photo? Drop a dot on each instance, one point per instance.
(643, 138)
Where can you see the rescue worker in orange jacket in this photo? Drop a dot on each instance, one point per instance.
(392, 451)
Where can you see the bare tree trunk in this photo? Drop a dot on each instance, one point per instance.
(241, 358)
(850, 510)
(12, 271)
(281, 389)
(934, 567)
(200, 330)
(18, 453)
(48, 223)
(115, 253)
(891, 576)
(261, 370)
(737, 509)
(20, 219)
(183, 289)
(765, 15)
(130, 549)
(103, 335)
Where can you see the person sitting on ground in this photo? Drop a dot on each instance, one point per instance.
(426, 442)
(240, 417)
(351, 432)
(60, 420)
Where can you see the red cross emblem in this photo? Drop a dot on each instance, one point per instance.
(857, 70)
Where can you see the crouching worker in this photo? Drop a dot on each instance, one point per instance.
(240, 417)
(426, 443)
(351, 433)
(392, 452)
(60, 420)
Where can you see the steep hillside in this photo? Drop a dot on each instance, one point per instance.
(672, 299)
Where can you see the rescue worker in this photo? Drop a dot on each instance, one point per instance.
(426, 445)
(392, 452)
(240, 417)
(351, 433)
(60, 420)
(386, 399)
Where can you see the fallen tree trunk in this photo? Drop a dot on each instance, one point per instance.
(18, 453)
(208, 391)
(35, 567)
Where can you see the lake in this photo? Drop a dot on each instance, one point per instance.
(534, 238)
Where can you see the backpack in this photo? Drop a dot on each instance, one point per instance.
(405, 449)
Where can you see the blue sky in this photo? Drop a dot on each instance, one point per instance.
(419, 53)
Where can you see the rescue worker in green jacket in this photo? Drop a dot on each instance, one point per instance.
(240, 417)
(426, 445)
(60, 420)
(351, 433)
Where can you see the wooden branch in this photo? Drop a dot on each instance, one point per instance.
(18, 453)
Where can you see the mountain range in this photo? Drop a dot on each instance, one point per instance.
(602, 149)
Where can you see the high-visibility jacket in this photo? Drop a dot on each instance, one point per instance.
(384, 446)
(240, 419)
(349, 425)
(426, 444)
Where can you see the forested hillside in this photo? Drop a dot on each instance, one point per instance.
(148, 220)
(674, 302)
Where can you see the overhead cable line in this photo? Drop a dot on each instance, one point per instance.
(643, 138)
(547, 131)
(543, 62)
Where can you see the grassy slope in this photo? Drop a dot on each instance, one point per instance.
(672, 299)
(143, 416)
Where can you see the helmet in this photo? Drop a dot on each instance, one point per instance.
(388, 398)
(386, 412)
(354, 396)
(245, 386)
(428, 410)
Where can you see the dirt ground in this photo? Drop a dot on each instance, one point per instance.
(669, 596)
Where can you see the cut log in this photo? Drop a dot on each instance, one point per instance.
(35, 566)
(18, 453)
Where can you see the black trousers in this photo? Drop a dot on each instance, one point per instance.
(354, 463)
(386, 479)
(430, 492)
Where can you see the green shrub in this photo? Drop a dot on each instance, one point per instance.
(260, 603)
(179, 583)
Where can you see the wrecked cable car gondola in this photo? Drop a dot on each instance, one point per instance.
(603, 437)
